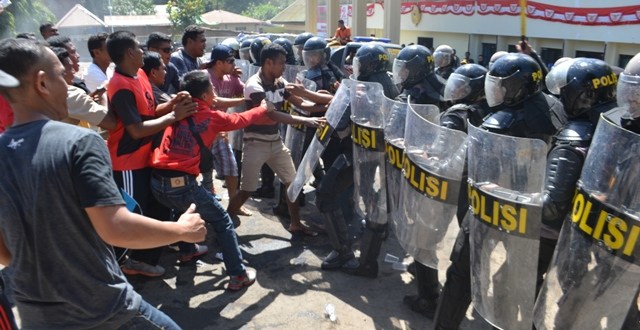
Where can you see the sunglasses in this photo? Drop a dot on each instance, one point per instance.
(166, 49)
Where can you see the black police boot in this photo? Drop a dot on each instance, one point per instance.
(367, 265)
(336, 228)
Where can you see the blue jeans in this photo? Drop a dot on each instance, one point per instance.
(179, 198)
(148, 318)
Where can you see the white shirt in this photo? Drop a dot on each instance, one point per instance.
(94, 77)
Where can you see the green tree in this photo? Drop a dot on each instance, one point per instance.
(266, 10)
(132, 7)
(183, 13)
(24, 16)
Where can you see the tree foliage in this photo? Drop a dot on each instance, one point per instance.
(183, 13)
(132, 7)
(24, 16)
(265, 10)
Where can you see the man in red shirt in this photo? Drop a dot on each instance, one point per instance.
(138, 120)
(177, 163)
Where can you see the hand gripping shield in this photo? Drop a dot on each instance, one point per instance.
(595, 271)
(335, 112)
(506, 180)
(433, 164)
(367, 134)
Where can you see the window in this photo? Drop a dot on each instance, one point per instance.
(427, 42)
(623, 60)
(596, 55)
(550, 55)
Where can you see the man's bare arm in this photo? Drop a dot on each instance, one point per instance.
(5, 255)
(225, 102)
(316, 97)
(119, 227)
(147, 128)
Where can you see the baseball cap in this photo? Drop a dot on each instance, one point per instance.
(7, 80)
(220, 52)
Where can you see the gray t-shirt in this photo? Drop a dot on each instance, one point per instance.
(65, 275)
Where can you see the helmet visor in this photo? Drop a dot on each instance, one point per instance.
(356, 68)
(557, 77)
(245, 53)
(457, 88)
(628, 94)
(441, 59)
(400, 71)
(495, 90)
(313, 58)
(297, 50)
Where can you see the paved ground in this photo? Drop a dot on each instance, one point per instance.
(291, 291)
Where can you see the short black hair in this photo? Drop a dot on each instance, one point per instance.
(156, 38)
(96, 41)
(61, 53)
(45, 26)
(59, 41)
(26, 35)
(340, 21)
(152, 60)
(271, 51)
(191, 32)
(195, 83)
(19, 57)
(118, 43)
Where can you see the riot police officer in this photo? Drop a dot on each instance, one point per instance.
(444, 60)
(413, 71)
(298, 44)
(334, 194)
(513, 90)
(315, 55)
(586, 267)
(245, 49)
(288, 46)
(465, 88)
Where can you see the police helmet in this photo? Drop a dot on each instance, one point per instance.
(512, 79)
(256, 47)
(495, 57)
(370, 58)
(412, 65)
(298, 44)
(245, 49)
(466, 84)
(582, 83)
(232, 43)
(288, 46)
(315, 52)
(629, 88)
(443, 56)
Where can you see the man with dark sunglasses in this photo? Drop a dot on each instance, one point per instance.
(161, 43)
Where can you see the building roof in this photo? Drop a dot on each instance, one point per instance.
(161, 18)
(79, 16)
(216, 17)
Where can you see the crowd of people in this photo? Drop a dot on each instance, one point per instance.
(250, 109)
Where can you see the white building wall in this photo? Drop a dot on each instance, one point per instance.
(469, 32)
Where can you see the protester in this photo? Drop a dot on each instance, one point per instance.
(47, 30)
(187, 58)
(43, 157)
(161, 43)
(97, 74)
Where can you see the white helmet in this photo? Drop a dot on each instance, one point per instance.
(231, 42)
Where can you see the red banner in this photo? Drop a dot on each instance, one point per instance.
(535, 10)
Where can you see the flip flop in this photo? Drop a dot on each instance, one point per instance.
(303, 231)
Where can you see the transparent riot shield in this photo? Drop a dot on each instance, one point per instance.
(296, 134)
(235, 137)
(244, 66)
(433, 165)
(595, 271)
(367, 134)
(335, 112)
(394, 131)
(506, 179)
(291, 72)
(252, 70)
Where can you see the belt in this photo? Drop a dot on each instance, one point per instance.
(177, 179)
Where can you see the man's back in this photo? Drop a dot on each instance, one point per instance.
(43, 160)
